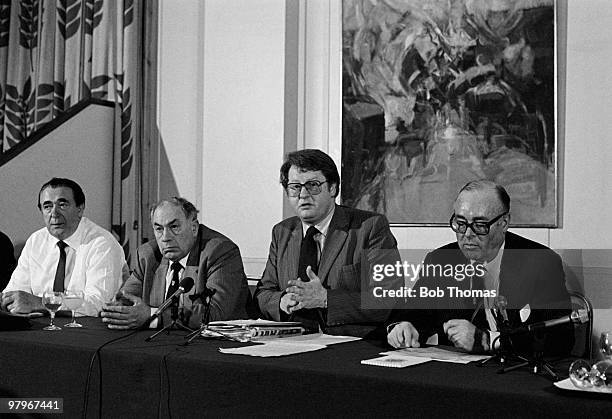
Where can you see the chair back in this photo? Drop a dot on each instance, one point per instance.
(583, 332)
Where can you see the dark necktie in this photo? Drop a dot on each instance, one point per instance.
(60, 273)
(479, 317)
(308, 254)
(174, 284)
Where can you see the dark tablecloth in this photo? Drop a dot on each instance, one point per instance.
(162, 379)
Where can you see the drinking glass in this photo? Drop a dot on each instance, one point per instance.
(73, 300)
(52, 300)
(579, 373)
(605, 345)
(601, 374)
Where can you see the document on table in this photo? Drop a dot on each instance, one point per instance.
(395, 361)
(318, 339)
(438, 354)
(273, 348)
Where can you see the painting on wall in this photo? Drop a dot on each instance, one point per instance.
(437, 93)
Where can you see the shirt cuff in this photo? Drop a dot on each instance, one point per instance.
(494, 342)
(153, 324)
(391, 326)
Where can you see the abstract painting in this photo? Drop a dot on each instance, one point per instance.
(440, 92)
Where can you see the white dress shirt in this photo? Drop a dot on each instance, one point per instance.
(95, 264)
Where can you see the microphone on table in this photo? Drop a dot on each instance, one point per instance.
(500, 313)
(576, 316)
(184, 286)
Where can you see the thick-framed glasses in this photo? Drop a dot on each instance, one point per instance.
(312, 186)
(481, 228)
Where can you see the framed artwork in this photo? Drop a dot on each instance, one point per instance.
(437, 93)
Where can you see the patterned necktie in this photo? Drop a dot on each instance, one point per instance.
(60, 272)
(308, 254)
(174, 284)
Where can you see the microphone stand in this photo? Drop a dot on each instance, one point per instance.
(176, 324)
(206, 298)
(506, 353)
(537, 363)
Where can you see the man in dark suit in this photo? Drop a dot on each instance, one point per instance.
(515, 281)
(183, 248)
(317, 259)
(7, 260)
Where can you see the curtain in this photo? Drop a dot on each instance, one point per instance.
(57, 53)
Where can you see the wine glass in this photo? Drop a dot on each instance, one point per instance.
(605, 345)
(52, 300)
(73, 300)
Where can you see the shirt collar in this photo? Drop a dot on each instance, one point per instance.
(76, 239)
(494, 266)
(323, 226)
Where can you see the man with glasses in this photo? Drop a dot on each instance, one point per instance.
(316, 258)
(514, 281)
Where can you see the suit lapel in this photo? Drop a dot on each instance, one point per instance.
(512, 277)
(293, 253)
(158, 290)
(336, 236)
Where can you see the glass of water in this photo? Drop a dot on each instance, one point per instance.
(73, 300)
(52, 300)
(605, 345)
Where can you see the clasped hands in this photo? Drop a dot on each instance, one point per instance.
(460, 332)
(118, 315)
(300, 294)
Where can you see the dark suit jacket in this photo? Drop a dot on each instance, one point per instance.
(7, 260)
(530, 273)
(352, 239)
(213, 262)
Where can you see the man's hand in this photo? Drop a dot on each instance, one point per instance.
(126, 317)
(287, 302)
(21, 302)
(403, 335)
(310, 294)
(463, 335)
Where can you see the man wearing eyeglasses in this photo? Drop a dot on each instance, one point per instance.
(314, 268)
(514, 282)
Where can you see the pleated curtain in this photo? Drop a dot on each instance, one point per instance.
(57, 53)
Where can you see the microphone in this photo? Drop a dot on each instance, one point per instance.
(576, 316)
(184, 286)
(501, 304)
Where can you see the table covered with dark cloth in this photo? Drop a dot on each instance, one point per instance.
(163, 379)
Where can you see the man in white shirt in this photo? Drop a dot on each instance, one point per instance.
(70, 253)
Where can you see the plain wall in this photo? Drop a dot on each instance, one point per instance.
(81, 149)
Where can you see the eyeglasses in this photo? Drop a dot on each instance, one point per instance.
(312, 186)
(480, 228)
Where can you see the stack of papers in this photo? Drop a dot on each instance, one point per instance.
(394, 361)
(436, 353)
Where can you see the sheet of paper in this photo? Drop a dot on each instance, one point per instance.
(437, 354)
(318, 339)
(273, 348)
(395, 361)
